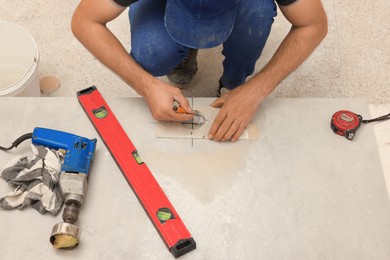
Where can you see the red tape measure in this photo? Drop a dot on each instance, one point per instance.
(346, 123)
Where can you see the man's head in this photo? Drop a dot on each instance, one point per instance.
(200, 23)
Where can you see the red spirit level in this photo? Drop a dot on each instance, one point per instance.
(346, 123)
(156, 204)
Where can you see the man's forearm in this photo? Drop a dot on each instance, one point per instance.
(309, 27)
(100, 41)
(293, 51)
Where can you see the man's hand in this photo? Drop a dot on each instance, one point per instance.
(309, 27)
(238, 107)
(89, 26)
(160, 98)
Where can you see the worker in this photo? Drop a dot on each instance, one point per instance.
(166, 36)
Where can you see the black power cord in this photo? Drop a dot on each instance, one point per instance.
(17, 142)
(381, 118)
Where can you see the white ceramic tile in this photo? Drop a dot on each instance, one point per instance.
(299, 180)
(382, 133)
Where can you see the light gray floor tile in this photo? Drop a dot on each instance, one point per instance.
(363, 29)
(382, 134)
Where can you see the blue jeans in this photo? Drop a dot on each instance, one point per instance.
(159, 54)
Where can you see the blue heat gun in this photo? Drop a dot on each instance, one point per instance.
(79, 152)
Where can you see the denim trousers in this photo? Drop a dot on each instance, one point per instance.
(154, 49)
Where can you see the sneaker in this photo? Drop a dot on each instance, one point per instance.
(186, 70)
(222, 90)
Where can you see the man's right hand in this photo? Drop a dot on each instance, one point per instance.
(89, 26)
(160, 98)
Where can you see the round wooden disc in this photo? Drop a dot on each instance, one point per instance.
(49, 84)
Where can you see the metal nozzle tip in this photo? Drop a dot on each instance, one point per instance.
(71, 213)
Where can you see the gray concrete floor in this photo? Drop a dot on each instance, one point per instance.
(353, 61)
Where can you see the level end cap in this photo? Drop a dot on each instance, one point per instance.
(183, 246)
(86, 91)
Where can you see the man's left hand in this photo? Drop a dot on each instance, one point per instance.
(238, 107)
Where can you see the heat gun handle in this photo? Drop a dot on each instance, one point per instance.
(79, 150)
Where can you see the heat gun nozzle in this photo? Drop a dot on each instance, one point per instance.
(71, 213)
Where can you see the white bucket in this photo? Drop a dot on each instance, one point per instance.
(19, 58)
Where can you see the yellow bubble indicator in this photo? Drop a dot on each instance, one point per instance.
(137, 157)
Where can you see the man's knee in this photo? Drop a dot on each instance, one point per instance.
(154, 59)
